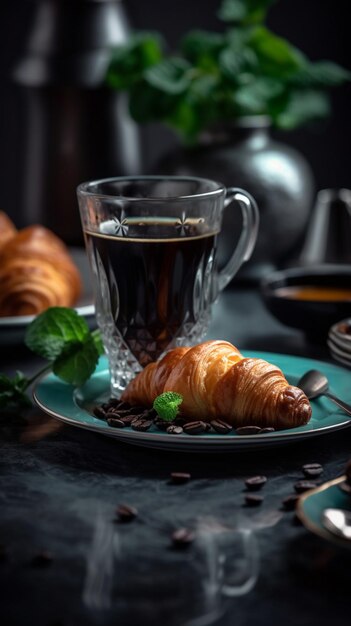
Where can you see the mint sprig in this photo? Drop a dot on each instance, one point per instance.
(13, 391)
(167, 404)
(62, 337)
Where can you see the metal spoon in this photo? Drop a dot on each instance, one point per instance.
(338, 522)
(314, 384)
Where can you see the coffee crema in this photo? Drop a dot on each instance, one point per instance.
(314, 293)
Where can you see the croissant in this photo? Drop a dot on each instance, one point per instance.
(36, 271)
(7, 229)
(216, 381)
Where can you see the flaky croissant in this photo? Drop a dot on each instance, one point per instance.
(7, 229)
(216, 381)
(36, 271)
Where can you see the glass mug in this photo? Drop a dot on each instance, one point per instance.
(138, 578)
(151, 244)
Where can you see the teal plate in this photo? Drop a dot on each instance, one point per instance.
(75, 407)
(312, 504)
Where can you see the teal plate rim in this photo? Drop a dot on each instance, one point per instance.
(74, 407)
(310, 507)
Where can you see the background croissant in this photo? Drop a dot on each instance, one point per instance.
(216, 381)
(36, 271)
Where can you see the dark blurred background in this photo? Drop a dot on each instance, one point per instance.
(320, 28)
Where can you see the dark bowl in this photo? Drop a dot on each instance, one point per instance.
(314, 317)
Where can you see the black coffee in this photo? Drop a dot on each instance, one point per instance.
(155, 285)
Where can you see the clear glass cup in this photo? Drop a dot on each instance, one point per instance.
(151, 243)
(139, 577)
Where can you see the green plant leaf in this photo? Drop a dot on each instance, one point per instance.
(130, 60)
(303, 107)
(235, 67)
(234, 62)
(202, 48)
(50, 331)
(12, 391)
(196, 109)
(254, 97)
(276, 56)
(77, 361)
(244, 11)
(322, 74)
(185, 119)
(146, 103)
(96, 335)
(170, 76)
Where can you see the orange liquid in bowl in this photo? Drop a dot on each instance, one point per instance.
(314, 293)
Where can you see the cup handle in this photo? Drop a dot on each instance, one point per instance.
(248, 235)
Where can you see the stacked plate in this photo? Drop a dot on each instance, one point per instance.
(339, 341)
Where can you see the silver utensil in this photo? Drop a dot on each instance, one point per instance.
(315, 384)
(338, 522)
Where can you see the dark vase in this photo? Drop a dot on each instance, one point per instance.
(277, 176)
(75, 128)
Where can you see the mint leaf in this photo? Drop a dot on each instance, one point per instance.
(276, 56)
(49, 332)
(170, 76)
(303, 107)
(166, 405)
(130, 60)
(12, 391)
(202, 48)
(77, 361)
(98, 342)
(322, 74)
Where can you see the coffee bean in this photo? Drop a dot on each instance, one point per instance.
(113, 410)
(255, 482)
(150, 414)
(43, 559)
(179, 478)
(123, 405)
(267, 429)
(174, 430)
(126, 513)
(312, 470)
(182, 538)
(112, 414)
(345, 487)
(99, 413)
(114, 422)
(136, 410)
(194, 428)
(304, 485)
(179, 421)
(107, 406)
(248, 430)
(128, 419)
(119, 404)
(348, 471)
(141, 425)
(253, 499)
(289, 503)
(221, 427)
(162, 424)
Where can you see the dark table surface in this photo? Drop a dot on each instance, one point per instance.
(60, 486)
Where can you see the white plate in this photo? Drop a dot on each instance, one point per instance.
(75, 407)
